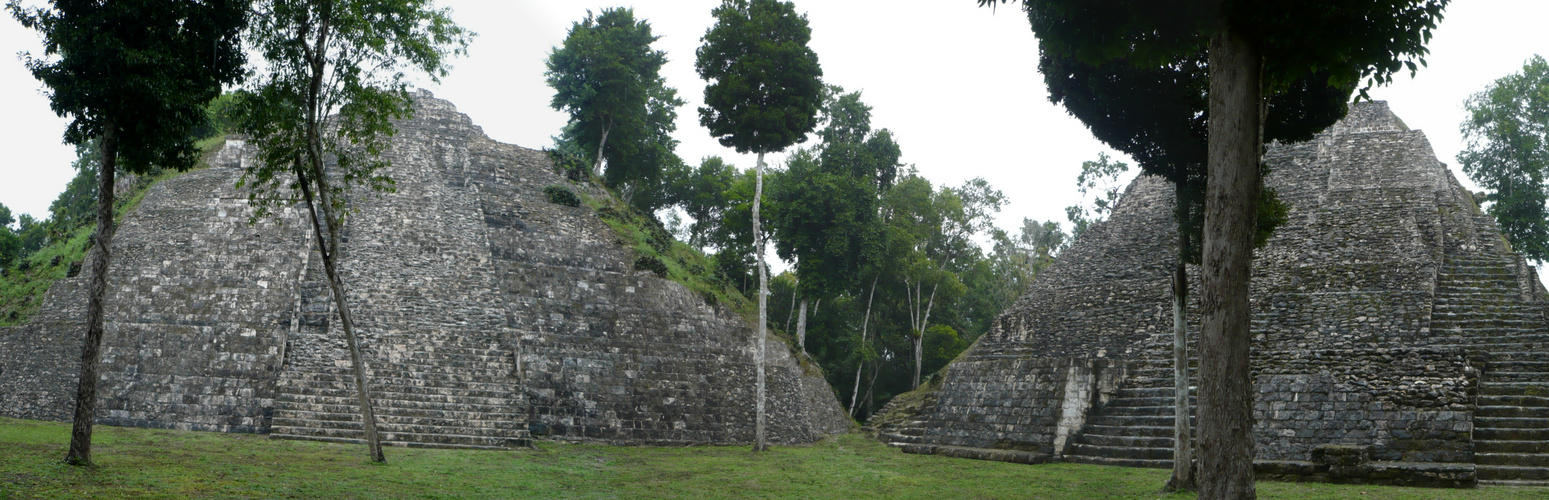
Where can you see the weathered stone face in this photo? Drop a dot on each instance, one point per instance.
(488, 316)
(1384, 310)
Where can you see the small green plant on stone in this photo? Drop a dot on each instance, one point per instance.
(561, 195)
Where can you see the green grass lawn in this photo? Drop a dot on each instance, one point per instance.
(144, 463)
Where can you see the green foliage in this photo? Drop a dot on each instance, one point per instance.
(143, 68)
(1100, 181)
(570, 162)
(702, 193)
(561, 195)
(356, 80)
(1508, 154)
(607, 78)
(656, 251)
(942, 345)
(765, 83)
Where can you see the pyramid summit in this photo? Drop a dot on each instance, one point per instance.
(1396, 336)
(489, 316)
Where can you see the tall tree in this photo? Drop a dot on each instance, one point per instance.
(608, 79)
(1508, 154)
(1100, 180)
(764, 92)
(1251, 50)
(134, 74)
(335, 79)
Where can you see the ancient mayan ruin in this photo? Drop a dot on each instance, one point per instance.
(490, 317)
(1397, 338)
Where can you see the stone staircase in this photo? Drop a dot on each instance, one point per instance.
(1135, 428)
(454, 392)
(1479, 308)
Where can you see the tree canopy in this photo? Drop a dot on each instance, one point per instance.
(607, 78)
(1507, 154)
(765, 83)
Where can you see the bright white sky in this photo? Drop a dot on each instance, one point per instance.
(957, 84)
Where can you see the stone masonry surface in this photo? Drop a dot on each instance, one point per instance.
(1389, 314)
(488, 317)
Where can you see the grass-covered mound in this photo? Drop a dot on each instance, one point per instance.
(146, 463)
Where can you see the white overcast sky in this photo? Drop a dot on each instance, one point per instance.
(957, 84)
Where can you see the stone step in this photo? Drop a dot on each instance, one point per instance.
(407, 394)
(1494, 434)
(1518, 366)
(492, 421)
(1512, 459)
(1088, 450)
(1485, 399)
(303, 426)
(1510, 422)
(410, 440)
(1165, 411)
(1513, 376)
(1508, 472)
(1121, 462)
(1494, 446)
(1014, 456)
(1511, 412)
(335, 404)
(1126, 441)
(1129, 430)
(389, 379)
(1105, 419)
(1514, 388)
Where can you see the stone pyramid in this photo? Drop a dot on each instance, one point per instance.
(1397, 338)
(489, 316)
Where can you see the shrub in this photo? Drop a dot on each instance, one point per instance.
(561, 195)
(653, 264)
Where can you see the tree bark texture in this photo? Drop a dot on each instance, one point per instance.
(801, 327)
(761, 442)
(1225, 385)
(91, 350)
(865, 323)
(1183, 449)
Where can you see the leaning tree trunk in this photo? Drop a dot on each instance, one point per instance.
(865, 323)
(91, 350)
(760, 438)
(919, 338)
(1225, 388)
(1183, 450)
(597, 167)
(330, 249)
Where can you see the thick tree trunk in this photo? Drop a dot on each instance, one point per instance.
(865, 323)
(597, 167)
(761, 442)
(801, 327)
(91, 349)
(1225, 385)
(1183, 450)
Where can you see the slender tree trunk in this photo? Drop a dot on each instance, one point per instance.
(876, 368)
(91, 349)
(761, 440)
(791, 311)
(1225, 385)
(919, 338)
(606, 128)
(322, 201)
(801, 327)
(1183, 450)
(865, 323)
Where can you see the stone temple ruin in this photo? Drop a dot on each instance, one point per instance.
(489, 316)
(1397, 338)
